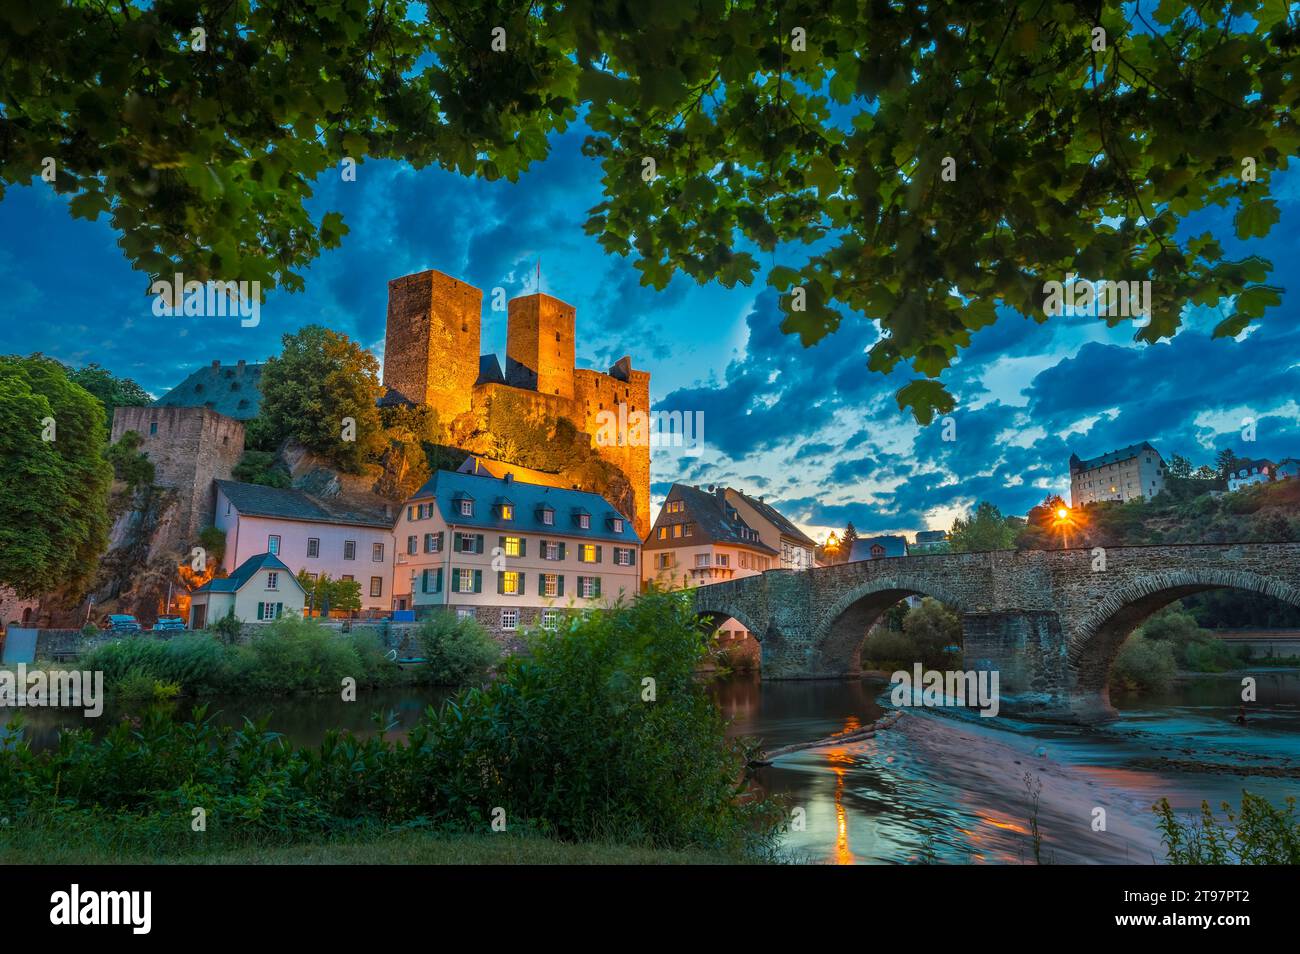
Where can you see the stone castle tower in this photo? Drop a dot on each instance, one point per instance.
(432, 356)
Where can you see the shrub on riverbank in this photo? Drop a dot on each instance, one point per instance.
(287, 655)
(1144, 664)
(457, 651)
(1194, 649)
(1259, 834)
(929, 631)
(599, 733)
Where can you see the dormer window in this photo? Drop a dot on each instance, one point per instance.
(546, 515)
(584, 521)
(505, 510)
(465, 506)
(615, 524)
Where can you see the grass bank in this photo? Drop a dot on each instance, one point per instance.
(389, 848)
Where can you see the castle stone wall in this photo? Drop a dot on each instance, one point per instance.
(190, 447)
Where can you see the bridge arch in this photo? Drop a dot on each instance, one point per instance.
(844, 625)
(1097, 638)
(715, 616)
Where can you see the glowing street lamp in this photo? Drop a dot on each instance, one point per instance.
(1064, 520)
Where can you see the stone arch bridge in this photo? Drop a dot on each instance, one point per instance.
(1050, 621)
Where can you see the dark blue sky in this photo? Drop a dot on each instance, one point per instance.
(810, 428)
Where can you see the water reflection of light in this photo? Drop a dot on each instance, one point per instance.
(839, 760)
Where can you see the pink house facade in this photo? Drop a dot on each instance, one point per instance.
(308, 533)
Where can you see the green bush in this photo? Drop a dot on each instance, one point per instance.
(288, 655)
(458, 651)
(928, 632)
(1146, 664)
(291, 654)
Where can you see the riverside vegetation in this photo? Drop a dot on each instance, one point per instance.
(599, 734)
(287, 655)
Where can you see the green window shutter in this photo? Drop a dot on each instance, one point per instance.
(598, 550)
(455, 544)
(561, 549)
(259, 610)
(542, 551)
(541, 584)
(559, 584)
(595, 581)
(523, 546)
(437, 581)
(631, 556)
(501, 581)
(522, 585)
(439, 539)
(478, 576)
(279, 610)
(424, 581)
(502, 544)
(478, 543)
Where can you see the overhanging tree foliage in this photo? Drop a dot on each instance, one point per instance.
(1080, 134)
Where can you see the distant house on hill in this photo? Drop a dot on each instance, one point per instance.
(929, 541)
(1246, 472)
(1136, 472)
(878, 548)
(1288, 468)
(233, 390)
(260, 590)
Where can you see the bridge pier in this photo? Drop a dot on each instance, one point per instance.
(1031, 657)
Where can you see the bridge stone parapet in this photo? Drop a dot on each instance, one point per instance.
(1050, 621)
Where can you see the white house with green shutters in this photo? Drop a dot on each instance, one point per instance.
(511, 554)
(261, 589)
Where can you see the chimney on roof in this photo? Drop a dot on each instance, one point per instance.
(216, 364)
(509, 477)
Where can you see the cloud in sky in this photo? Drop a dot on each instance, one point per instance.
(810, 428)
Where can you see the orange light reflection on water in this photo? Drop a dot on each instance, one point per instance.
(838, 761)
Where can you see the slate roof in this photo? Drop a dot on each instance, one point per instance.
(777, 519)
(713, 522)
(931, 536)
(234, 390)
(895, 546)
(448, 485)
(244, 572)
(489, 370)
(1114, 457)
(254, 500)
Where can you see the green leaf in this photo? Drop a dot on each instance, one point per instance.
(1255, 218)
(925, 398)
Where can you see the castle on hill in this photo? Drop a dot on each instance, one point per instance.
(194, 434)
(432, 356)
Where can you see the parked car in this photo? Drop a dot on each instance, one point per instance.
(122, 623)
(168, 624)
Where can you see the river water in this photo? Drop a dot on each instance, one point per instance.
(945, 788)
